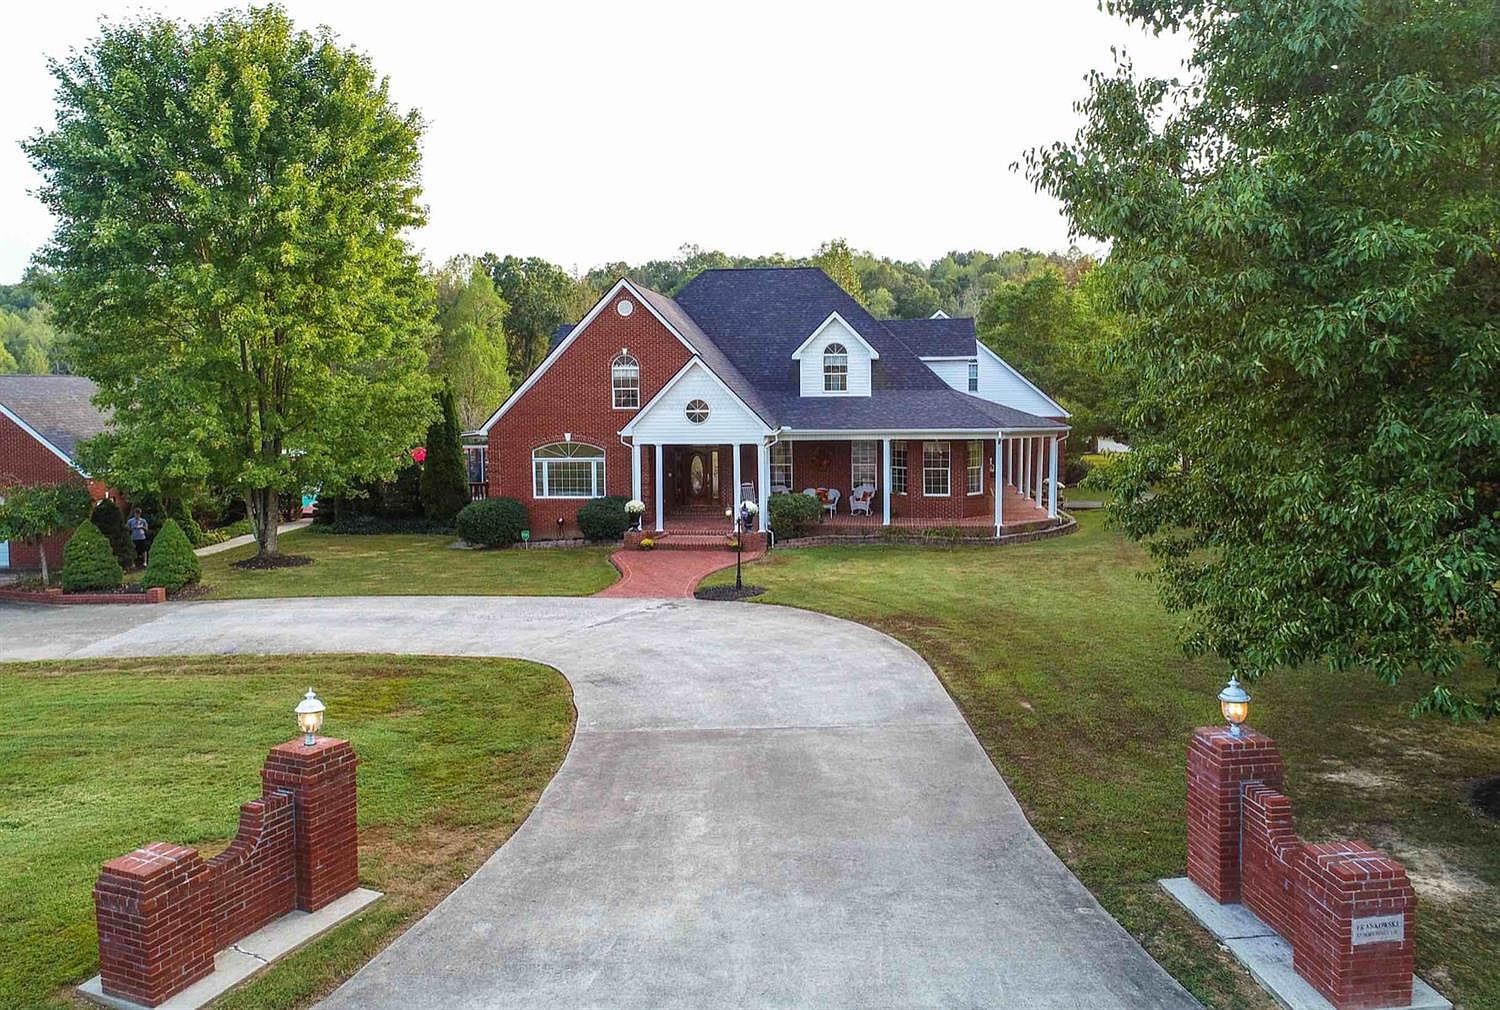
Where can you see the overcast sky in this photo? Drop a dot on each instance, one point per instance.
(589, 133)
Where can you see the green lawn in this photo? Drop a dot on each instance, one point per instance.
(407, 564)
(1069, 672)
(99, 757)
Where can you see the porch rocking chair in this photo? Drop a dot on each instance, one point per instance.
(861, 499)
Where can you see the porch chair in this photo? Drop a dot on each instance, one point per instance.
(828, 495)
(861, 499)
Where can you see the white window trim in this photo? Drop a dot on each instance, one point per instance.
(947, 451)
(969, 467)
(599, 481)
(905, 467)
(791, 465)
(843, 352)
(874, 480)
(972, 375)
(832, 316)
(614, 390)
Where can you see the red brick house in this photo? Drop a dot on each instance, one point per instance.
(755, 382)
(42, 420)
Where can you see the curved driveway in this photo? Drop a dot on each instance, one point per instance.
(761, 807)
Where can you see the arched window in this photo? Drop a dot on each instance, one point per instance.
(567, 470)
(625, 381)
(835, 369)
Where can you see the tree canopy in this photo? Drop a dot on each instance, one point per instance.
(1304, 239)
(469, 351)
(231, 199)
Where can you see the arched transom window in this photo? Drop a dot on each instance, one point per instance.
(625, 381)
(835, 369)
(567, 470)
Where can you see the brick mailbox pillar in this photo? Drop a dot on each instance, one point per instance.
(1217, 766)
(156, 930)
(1355, 926)
(326, 835)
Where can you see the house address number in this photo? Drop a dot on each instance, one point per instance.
(1379, 928)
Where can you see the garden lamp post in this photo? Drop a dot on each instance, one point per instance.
(310, 717)
(1234, 702)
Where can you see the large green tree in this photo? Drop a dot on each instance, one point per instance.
(1304, 235)
(31, 512)
(541, 297)
(469, 349)
(231, 200)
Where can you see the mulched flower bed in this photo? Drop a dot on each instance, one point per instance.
(728, 592)
(274, 561)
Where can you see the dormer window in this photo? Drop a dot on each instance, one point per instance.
(835, 369)
(973, 376)
(625, 381)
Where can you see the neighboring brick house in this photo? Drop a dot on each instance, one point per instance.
(42, 420)
(755, 382)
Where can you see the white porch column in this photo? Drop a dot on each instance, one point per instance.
(763, 483)
(885, 483)
(735, 500)
(1052, 485)
(659, 489)
(999, 483)
(1026, 468)
(1040, 463)
(635, 471)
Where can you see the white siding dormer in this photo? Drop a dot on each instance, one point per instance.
(998, 382)
(695, 408)
(826, 368)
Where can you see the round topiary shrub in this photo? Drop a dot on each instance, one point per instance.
(171, 563)
(492, 522)
(604, 518)
(88, 562)
(794, 515)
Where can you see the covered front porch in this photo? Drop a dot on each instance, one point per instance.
(918, 481)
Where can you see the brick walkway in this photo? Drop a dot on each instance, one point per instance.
(666, 573)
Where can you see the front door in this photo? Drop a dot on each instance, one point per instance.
(696, 479)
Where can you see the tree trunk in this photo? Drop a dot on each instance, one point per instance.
(265, 517)
(46, 575)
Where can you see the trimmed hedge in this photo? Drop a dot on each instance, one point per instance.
(604, 518)
(172, 563)
(88, 562)
(492, 522)
(794, 515)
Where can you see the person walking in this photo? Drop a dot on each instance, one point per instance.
(138, 527)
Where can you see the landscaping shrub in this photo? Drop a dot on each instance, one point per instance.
(604, 518)
(172, 563)
(794, 515)
(445, 475)
(88, 562)
(492, 522)
(107, 518)
(1075, 471)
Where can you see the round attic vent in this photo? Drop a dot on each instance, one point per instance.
(624, 306)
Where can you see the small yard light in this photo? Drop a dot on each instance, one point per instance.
(310, 717)
(1234, 702)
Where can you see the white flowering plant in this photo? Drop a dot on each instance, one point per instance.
(749, 507)
(635, 506)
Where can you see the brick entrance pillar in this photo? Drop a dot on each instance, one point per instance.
(326, 838)
(1217, 765)
(156, 933)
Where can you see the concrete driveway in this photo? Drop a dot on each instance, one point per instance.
(761, 807)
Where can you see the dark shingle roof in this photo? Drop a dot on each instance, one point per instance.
(709, 351)
(58, 407)
(759, 317)
(936, 338)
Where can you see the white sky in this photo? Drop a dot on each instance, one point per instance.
(595, 132)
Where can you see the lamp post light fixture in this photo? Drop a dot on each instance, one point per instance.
(1234, 702)
(310, 717)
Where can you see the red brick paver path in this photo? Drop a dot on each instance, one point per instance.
(666, 573)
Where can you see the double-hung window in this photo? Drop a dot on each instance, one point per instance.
(625, 382)
(976, 467)
(781, 466)
(973, 376)
(898, 468)
(835, 369)
(936, 475)
(567, 470)
(862, 457)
